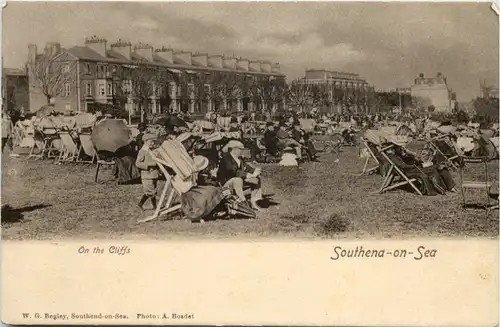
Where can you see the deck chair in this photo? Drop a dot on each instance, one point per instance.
(49, 149)
(101, 161)
(441, 145)
(87, 148)
(371, 150)
(393, 172)
(70, 148)
(173, 155)
(37, 144)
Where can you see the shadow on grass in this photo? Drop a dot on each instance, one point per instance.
(11, 215)
(333, 224)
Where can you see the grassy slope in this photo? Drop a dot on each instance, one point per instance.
(321, 200)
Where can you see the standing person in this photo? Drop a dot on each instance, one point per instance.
(6, 131)
(149, 171)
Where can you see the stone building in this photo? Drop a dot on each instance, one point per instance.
(181, 80)
(433, 91)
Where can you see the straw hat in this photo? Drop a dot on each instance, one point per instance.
(200, 162)
(148, 136)
(233, 144)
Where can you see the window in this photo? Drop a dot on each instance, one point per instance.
(88, 69)
(67, 89)
(67, 106)
(114, 69)
(110, 89)
(102, 89)
(66, 68)
(89, 88)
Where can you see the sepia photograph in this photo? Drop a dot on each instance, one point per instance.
(250, 163)
(309, 120)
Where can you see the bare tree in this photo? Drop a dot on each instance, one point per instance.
(141, 81)
(302, 94)
(268, 92)
(50, 75)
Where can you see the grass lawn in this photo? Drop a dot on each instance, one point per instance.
(323, 199)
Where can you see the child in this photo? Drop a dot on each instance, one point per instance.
(149, 171)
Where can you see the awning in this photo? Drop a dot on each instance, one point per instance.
(176, 71)
(191, 72)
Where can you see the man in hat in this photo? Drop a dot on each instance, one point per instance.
(149, 171)
(234, 173)
(6, 131)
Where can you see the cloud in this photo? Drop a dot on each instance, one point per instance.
(388, 43)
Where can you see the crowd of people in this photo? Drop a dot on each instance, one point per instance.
(224, 159)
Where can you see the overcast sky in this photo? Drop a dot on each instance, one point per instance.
(387, 43)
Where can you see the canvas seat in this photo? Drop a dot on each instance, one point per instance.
(172, 155)
(393, 174)
(70, 148)
(444, 149)
(371, 153)
(87, 148)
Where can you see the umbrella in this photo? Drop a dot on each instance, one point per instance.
(110, 135)
(174, 121)
(239, 208)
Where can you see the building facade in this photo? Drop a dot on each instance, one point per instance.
(433, 91)
(346, 91)
(15, 90)
(161, 79)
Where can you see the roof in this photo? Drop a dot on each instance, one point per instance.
(13, 72)
(85, 53)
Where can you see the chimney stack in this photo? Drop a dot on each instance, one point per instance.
(32, 52)
(242, 64)
(229, 62)
(215, 61)
(200, 59)
(183, 58)
(145, 51)
(96, 44)
(275, 68)
(165, 54)
(254, 66)
(123, 48)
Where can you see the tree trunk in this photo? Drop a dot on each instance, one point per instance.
(48, 97)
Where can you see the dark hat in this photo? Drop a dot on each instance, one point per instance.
(269, 123)
(233, 120)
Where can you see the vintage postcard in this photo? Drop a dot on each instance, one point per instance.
(250, 163)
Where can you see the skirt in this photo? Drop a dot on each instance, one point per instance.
(200, 201)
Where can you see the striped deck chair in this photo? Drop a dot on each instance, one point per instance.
(37, 144)
(443, 148)
(87, 148)
(173, 155)
(393, 172)
(370, 154)
(70, 148)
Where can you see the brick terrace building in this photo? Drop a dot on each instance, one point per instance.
(99, 67)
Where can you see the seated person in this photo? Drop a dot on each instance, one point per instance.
(234, 173)
(285, 140)
(433, 179)
(199, 201)
(271, 139)
(299, 135)
(348, 135)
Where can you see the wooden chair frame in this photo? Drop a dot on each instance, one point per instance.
(395, 171)
(449, 158)
(371, 170)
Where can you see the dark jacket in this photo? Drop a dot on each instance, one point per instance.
(228, 168)
(271, 142)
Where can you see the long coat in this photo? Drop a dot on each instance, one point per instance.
(228, 168)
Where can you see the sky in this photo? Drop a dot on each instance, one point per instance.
(389, 44)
